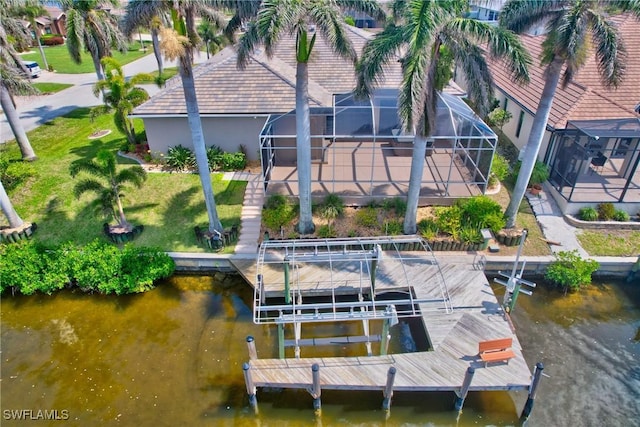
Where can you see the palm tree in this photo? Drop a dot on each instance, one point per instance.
(12, 77)
(211, 33)
(572, 25)
(7, 209)
(109, 183)
(425, 35)
(121, 94)
(278, 17)
(145, 13)
(30, 10)
(91, 27)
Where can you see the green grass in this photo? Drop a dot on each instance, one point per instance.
(58, 57)
(168, 205)
(610, 242)
(48, 88)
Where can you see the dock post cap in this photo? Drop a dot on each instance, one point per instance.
(250, 338)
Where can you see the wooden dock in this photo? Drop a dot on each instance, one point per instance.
(454, 335)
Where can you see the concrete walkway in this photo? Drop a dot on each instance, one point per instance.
(251, 217)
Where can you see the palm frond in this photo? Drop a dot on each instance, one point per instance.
(88, 185)
(134, 175)
(370, 7)
(247, 45)
(412, 96)
(521, 15)
(380, 50)
(471, 61)
(75, 35)
(610, 51)
(141, 13)
(329, 23)
(275, 17)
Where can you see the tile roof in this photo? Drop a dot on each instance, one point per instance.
(266, 85)
(586, 97)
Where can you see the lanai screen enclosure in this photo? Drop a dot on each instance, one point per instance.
(597, 161)
(360, 152)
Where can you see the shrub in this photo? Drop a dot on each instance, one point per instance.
(449, 220)
(500, 167)
(621, 216)
(476, 210)
(181, 158)
(606, 211)
(334, 201)
(349, 21)
(494, 222)
(539, 174)
(326, 232)
(588, 214)
(470, 234)
(234, 161)
(393, 228)
(428, 229)
(96, 267)
(214, 157)
(399, 206)
(278, 212)
(52, 39)
(570, 271)
(367, 217)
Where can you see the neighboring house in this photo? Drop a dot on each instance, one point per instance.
(593, 133)
(358, 148)
(486, 10)
(53, 23)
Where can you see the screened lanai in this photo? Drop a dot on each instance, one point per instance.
(360, 151)
(595, 161)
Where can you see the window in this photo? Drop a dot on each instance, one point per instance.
(520, 121)
(506, 103)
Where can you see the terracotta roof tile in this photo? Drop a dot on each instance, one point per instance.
(586, 97)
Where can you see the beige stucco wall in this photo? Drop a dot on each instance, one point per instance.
(510, 128)
(225, 132)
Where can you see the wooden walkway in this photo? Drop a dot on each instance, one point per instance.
(454, 336)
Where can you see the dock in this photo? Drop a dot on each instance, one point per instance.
(454, 301)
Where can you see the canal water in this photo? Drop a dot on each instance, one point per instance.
(173, 357)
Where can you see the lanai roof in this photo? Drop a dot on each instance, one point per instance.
(586, 97)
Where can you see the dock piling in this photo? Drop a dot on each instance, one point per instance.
(528, 406)
(315, 390)
(388, 390)
(251, 345)
(462, 395)
(251, 388)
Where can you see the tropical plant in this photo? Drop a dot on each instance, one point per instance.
(500, 167)
(180, 158)
(572, 27)
(621, 216)
(570, 271)
(144, 13)
(606, 211)
(13, 80)
(107, 183)
(30, 10)
(212, 36)
(430, 37)
(588, 214)
(428, 229)
(499, 117)
(91, 26)
(277, 17)
(121, 94)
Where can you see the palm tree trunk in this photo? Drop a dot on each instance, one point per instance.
(98, 66)
(195, 125)
(415, 183)
(16, 126)
(155, 40)
(7, 208)
(303, 141)
(552, 77)
(44, 57)
(122, 221)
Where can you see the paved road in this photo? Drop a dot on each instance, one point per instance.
(37, 110)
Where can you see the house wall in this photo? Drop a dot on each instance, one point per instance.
(225, 132)
(511, 127)
(285, 147)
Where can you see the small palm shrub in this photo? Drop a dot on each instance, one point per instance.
(326, 232)
(470, 235)
(588, 214)
(334, 201)
(449, 220)
(278, 212)
(181, 158)
(606, 211)
(621, 216)
(569, 271)
(214, 157)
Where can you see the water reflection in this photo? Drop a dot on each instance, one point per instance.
(173, 356)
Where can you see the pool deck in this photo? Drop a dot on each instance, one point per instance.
(476, 316)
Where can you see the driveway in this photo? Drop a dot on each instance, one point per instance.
(37, 110)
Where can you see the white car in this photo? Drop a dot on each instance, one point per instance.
(32, 67)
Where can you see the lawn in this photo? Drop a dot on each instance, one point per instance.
(168, 205)
(49, 88)
(610, 242)
(58, 57)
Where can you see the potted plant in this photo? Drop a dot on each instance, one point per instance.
(539, 174)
